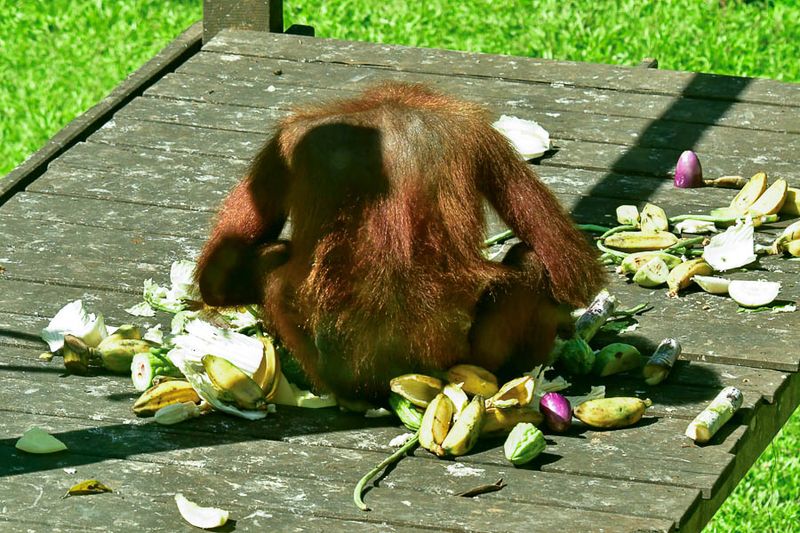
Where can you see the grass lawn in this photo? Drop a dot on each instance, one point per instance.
(60, 57)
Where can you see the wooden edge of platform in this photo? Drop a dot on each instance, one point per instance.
(179, 50)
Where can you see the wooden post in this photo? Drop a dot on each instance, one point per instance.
(258, 15)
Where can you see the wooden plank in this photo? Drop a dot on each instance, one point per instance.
(112, 215)
(562, 121)
(770, 419)
(717, 89)
(654, 451)
(710, 329)
(118, 260)
(238, 453)
(194, 181)
(172, 55)
(142, 485)
(582, 154)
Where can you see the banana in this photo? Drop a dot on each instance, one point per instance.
(654, 219)
(515, 393)
(267, 375)
(680, 277)
(751, 191)
(125, 331)
(652, 274)
(409, 415)
(771, 200)
(612, 412)
(637, 241)
(615, 358)
(632, 263)
(791, 206)
(628, 215)
(474, 380)
(233, 384)
(501, 421)
(117, 354)
(789, 234)
(164, 394)
(176, 412)
(419, 389)
(457, 396)
(436, 424)
(76, 355)
(793, 248)
(466, 430)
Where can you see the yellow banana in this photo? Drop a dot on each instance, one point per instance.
(474, 380)
(517, 392)
(612, 412)
(233, 384)
(637, 241)
(466, 430)
(436, 424)
(164, 394)
(268, 373)
(501, 421)
(681, 276)
(418, 389)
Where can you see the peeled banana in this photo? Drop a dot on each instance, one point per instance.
(474, 380)
(466, 430)
(500, 421)
(681, 276)
(164, 394)
(436, 424)
(233, 385)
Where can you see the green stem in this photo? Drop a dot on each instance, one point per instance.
(396, 456)
(592, 228)
(605, 249)
(684, 243)
(629, 312)
(500, 237)
(617, 229)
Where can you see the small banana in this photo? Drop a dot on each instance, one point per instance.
(633, 262)
(125, 331)
(501, 421)
(117, 354)
(419, 389)
(474, 380)
(466, 430)
(515, 393)
(789, 234)
(681, 276)
(653, 219)
(176, 412)
(233, 384)
(435, 424)
(76, 355)
(612, 412)
(637, 241)
(164, 394)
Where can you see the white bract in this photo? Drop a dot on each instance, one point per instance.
(528, 137)
(202, 338)
(753, 293)
(202, 517)
(182, 287)
(733, 249)
(73, 319)
(695, 226)
(712, 284)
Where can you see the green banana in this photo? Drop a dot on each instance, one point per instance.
(436, 423)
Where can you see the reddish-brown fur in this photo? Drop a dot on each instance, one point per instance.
(384, 273)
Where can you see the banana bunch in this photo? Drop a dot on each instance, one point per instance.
(115, 352)
(451, 422)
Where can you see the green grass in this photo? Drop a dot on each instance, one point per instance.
(58, 58)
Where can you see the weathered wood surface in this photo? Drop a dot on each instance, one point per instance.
(141, 191)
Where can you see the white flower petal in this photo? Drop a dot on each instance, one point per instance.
(73, 319)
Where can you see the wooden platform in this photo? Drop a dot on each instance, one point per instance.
(139, 192)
